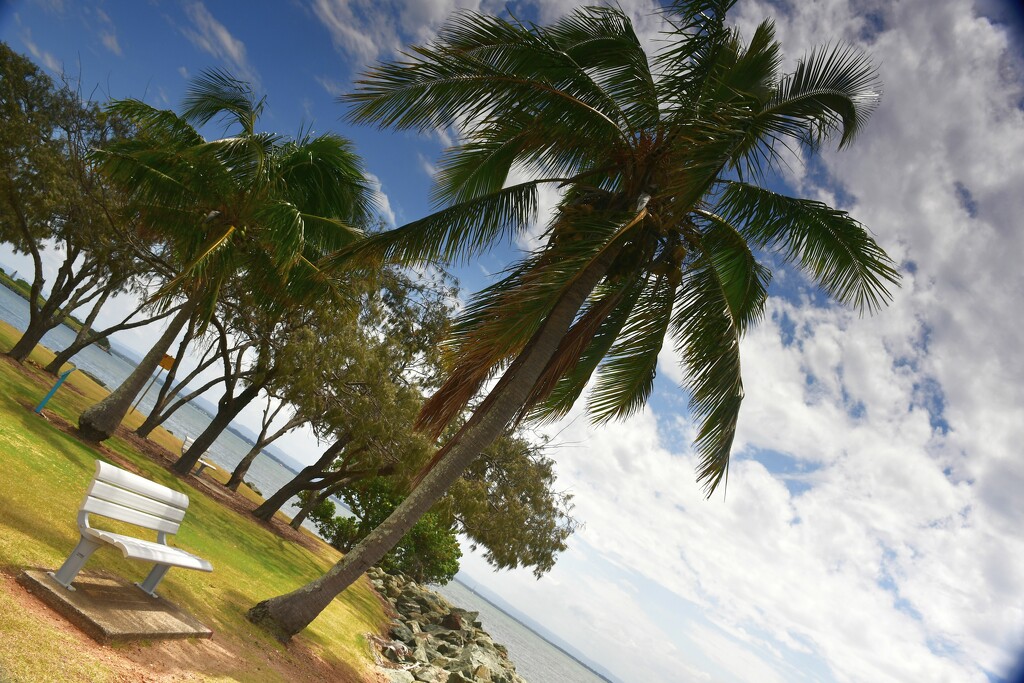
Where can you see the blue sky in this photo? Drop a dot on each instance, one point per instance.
(872, 526)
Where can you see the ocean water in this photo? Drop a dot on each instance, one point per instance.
(537, 660)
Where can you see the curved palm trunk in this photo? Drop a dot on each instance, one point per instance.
(99, 421)
(288, 614)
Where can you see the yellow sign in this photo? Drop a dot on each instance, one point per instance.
(166, 362)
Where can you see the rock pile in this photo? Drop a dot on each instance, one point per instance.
(433, 642)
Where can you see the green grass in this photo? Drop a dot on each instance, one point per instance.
(44, 476)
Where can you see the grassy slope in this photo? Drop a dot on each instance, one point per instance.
(43, 474)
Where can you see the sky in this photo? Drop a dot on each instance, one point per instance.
(872, 526)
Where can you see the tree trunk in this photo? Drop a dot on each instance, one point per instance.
(66, 355)
(81, 336)
(228, 412)
(300, 516)
(99, 421)
(288, 614)
(300, 482)
(170, 388)
(243, 467)
(262, 442)
(33, 333)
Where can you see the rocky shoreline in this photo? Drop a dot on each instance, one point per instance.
(430, 641)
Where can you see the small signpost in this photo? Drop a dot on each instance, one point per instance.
(166, 363)
(49, 395)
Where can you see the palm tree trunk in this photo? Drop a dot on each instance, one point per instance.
(99, 421)
(288, 614)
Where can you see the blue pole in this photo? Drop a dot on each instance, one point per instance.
(46, 399)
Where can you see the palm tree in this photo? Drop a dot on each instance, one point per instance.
(660, 163)
(253, 206)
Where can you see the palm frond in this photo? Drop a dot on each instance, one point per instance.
(325, 176)
(572, 383)
(626, 376)
(468, 78)
(707, 340)
(833, 90)
(743, 280)
(215, 93)
(455, 233)
(829, 245)
(691, 53)
(602, 40)
(159, 124)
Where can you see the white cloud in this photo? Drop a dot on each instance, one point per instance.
(213, 38)
(46, 58)
(367, 30)
(382, 200)
(333, 87)
(872, 526)
(108, 32)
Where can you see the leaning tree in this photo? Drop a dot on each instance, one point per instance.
(661, 163)
(253, 206)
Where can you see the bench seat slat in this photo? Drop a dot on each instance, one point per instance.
(96, 506)
(133, 482)
(138, 549)
(113, 494)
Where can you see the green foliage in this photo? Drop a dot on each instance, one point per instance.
(255, 208)
(507, 505)
(52, 197)
(428, 553)
(658, 161)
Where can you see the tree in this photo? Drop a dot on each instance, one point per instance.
(50, 195)
(505, 503)
(428, 553)
(274, 406)
(253, 207)
(660, 163)
(357, 371)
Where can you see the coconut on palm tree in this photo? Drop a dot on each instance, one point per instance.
(254, 206)
(662, 214)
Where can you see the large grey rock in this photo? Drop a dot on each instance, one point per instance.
(400, 631)
(447, 644)
(398, 675)
(430, 674)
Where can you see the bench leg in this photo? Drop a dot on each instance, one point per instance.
(69, 570)
(155, 575)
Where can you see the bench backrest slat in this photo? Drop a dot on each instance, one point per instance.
(133, 482)
(96, 506)
(127, 497)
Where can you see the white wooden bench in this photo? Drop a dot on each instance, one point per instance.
(201, 464)
(126, 497)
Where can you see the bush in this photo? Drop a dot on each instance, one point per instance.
(429, 553)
